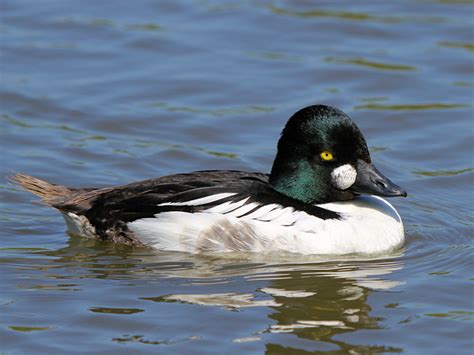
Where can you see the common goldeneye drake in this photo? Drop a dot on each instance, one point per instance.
(310, 203)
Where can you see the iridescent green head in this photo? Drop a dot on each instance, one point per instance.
(323, 157)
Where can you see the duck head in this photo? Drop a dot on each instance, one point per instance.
(323, 157)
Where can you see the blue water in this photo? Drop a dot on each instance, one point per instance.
(103, 93)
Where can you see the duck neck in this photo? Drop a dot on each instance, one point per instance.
(296, 179)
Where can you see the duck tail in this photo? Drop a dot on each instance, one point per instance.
(51, 194)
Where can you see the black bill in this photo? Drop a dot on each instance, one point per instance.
(371, 181)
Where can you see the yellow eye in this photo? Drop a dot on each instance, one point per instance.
(326, 155)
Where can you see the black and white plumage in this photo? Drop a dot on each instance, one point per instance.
(306, 205)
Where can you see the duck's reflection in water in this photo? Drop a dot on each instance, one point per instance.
(305, 298)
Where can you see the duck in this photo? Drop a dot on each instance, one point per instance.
(323, 196)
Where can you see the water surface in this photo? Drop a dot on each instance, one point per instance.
(102, 93)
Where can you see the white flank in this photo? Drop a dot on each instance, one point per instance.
(344, 176)
(369, 225)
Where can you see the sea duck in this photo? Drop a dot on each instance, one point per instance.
(321, 197)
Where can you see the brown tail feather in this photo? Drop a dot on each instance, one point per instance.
(50, 194)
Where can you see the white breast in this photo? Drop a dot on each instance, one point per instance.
(369, 225)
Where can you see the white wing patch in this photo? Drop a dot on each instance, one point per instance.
(255, 211)
(274, 213)
(200, 201)
(262, 211)
(227, 206)
(244, 210)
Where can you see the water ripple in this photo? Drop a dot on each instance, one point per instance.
(411, 107)
(371, 64)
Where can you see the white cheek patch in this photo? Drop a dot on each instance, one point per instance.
(344, 176)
